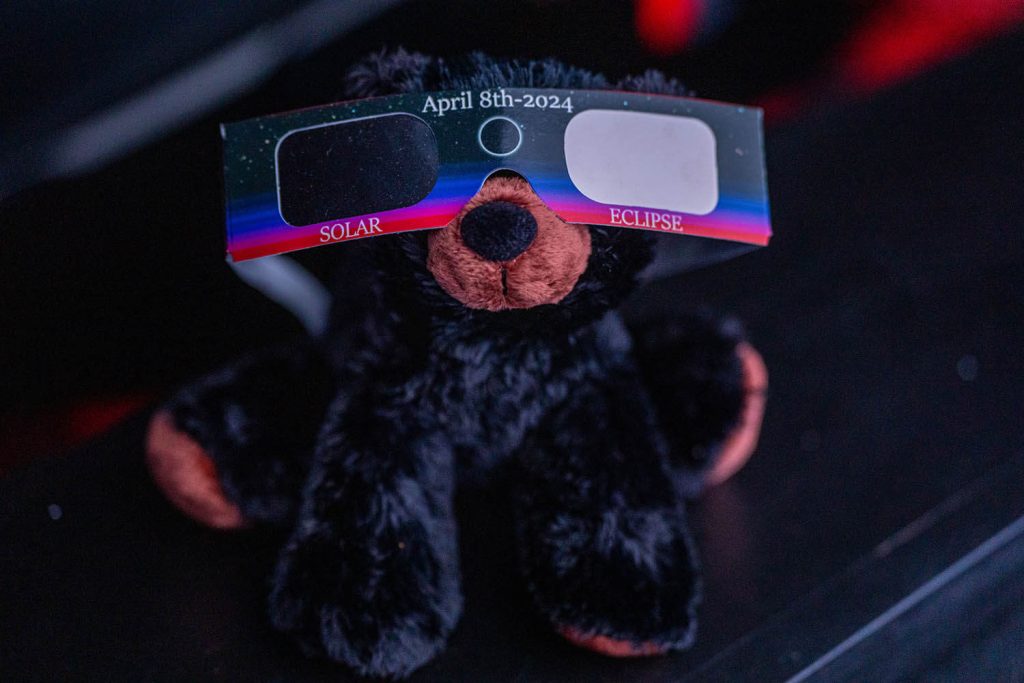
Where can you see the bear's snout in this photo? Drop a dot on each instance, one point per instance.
(506, 249)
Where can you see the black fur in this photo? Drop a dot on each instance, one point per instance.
(602, 530)
(690, 367)
(258, 419)
(427, 392)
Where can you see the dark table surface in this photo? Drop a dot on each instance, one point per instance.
(882, 503)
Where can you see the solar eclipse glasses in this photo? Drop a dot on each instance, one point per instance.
(406, 162)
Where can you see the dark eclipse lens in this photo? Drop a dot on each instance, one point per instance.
(355, 168)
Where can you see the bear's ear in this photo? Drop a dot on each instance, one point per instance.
(655, 83)
(388, 72)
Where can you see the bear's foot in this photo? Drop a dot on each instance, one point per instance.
(187, 476)
(609, 646)
(740, 443)
(384, 610)
(235, 446)
(623, 585)
(708, 385)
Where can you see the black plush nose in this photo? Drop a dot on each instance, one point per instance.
(498, 231)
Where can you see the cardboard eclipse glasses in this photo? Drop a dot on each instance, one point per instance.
(410, 162)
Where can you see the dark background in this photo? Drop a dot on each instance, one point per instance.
(887, 308)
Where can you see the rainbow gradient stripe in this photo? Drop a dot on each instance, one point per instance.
(735, 218)
(255, 226)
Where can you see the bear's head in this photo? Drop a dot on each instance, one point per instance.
(507, 260)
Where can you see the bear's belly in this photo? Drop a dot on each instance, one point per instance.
(488, 409)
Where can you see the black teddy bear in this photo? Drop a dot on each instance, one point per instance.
(492, 343)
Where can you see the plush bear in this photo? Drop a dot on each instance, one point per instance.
(492, 344)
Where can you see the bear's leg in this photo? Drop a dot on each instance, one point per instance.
(234, 447)
(370, 575)
(602, 531)
(708, 386)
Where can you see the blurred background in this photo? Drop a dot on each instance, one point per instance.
(112, 279)
(883, 513)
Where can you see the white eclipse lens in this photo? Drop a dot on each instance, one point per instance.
(656, 161)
